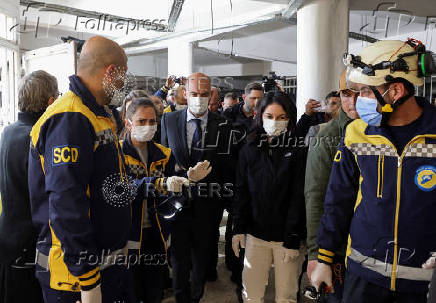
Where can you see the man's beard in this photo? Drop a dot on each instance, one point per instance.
(115, 96)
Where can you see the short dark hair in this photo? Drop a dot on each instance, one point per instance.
(332, 94)
(231, 95)
(407, 84)
(253, 86)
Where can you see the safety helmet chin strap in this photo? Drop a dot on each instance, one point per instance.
(387, 108)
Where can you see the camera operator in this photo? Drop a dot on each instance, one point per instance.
(230, 99)
(180, 101)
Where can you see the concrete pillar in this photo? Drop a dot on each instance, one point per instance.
(180, 61)
(322, 39)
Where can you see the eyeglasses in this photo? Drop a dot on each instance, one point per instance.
(366, 91)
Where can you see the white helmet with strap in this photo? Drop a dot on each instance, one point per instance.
(393, 58)
(389, 61)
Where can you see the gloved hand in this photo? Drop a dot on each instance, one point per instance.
(238, 240)
(199, 171)
(322, 273)
(290, 255)
(91, 296)
(175, 183)
(430, 263)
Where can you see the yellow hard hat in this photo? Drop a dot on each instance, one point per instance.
(394, 58)
(343, 81)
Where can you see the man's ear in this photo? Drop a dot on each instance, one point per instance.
(127, 124)
(397, 90)
(243, 96)
(109, 70)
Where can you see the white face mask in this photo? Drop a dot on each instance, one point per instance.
(181, 106)
(198, 105)
(275, 128)
(144, 133)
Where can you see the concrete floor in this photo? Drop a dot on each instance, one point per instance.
(223, 290)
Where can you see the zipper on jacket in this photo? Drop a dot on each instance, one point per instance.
(397, 212)
(381, 164)
(397, 207)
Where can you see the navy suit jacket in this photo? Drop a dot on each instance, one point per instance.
(217, 145)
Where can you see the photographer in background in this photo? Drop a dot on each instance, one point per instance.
(169, 84)
(180, 101)
(327, 112)
(170, 97)
(230, 99)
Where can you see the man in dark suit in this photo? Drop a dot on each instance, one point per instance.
(194, 135)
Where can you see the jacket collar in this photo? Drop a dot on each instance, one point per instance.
(154, 152)
(29, 118)
(77, 87)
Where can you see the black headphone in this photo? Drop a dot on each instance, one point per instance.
(426, 63)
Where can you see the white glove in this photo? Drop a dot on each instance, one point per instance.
(322, 273)
(199, 171)
(91, 296)
(175, 183)
(430, 263)
(290, 255)
(238, 240)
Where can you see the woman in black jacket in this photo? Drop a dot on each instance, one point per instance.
(269, 208)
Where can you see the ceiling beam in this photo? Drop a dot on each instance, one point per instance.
(174, 14)
(292, 8)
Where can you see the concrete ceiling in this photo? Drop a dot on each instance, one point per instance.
(421, 8)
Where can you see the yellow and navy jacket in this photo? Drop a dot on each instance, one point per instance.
(170, 108)
(160, 164)
(385, 203)
(79, 191)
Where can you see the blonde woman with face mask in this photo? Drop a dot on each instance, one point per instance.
(145, 158)
(150, 229)
(269, 209)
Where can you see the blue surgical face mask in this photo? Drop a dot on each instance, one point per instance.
(367, 110)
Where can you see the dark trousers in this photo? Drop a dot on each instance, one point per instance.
(115, 287)
(19, 285)
(338, 270)
(214, 259)
(191, 250)
(233, 263)
(357, 290)
(149, 273)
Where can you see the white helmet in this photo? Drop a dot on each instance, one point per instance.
(393, 58)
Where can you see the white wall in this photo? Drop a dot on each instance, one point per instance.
(10, 7)
(148, 65)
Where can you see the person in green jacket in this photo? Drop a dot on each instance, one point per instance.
(322, 149)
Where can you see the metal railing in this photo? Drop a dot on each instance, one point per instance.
(290, 85)
(428, 90)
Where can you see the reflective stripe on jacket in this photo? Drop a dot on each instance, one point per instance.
(385, 203)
